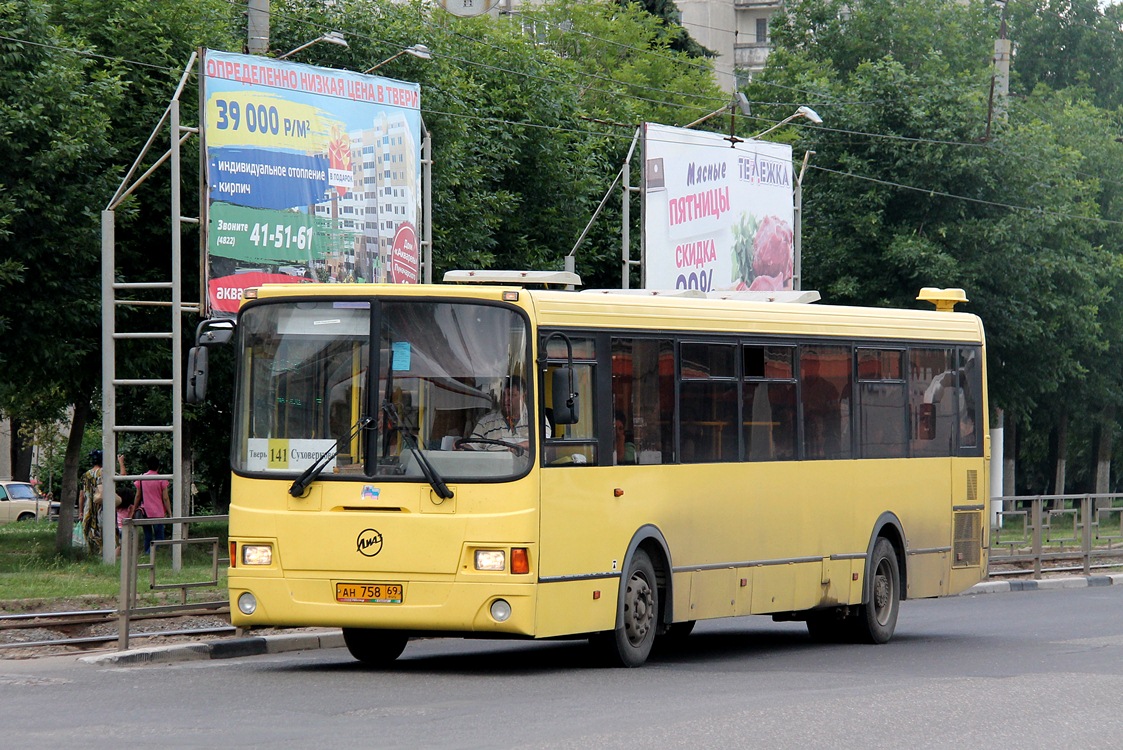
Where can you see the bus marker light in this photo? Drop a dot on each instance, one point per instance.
(490, 559)
(596, 595)
(854, 577)
(247, 603)
(500, 610)
(257, 554)
(618, 492)
(510, 296)
(520, 560)
(233, 554)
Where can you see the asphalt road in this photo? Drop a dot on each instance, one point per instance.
(1041, 669)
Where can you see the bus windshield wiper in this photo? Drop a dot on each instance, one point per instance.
(300, 486)
(435, 480)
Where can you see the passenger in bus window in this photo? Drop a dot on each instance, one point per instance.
(624, 451)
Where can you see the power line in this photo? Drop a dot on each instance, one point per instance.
(86, 53)
(980, 201)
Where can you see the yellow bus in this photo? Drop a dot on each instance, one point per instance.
(495, 461)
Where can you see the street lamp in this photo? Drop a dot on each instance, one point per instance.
(332, 37)
(807, 112)
(420, 51)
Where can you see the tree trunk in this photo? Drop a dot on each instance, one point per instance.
(1009, 461)
(1104, 448)
(68, 493)
(1062, 455)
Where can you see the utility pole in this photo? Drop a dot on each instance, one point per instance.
(1000, 78)
(257, 16)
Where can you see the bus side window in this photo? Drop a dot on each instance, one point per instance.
(932, 402)
(824, 384)
(566, 444)
(643, 398)
(769, 410)
(881, 403)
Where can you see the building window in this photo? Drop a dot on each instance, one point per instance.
(762, 30)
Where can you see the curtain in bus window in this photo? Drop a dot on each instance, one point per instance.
(825, 396)
(932, 402)
(643, 394)
(708, 402)
(444, 365)
(769, 402)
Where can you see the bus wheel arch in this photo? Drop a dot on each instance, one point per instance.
(650, 539)
(888, 527)
(884, 585)
(643, 602)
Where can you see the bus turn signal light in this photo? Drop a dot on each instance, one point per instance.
(520, 560)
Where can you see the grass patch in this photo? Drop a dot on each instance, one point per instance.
(35, 577)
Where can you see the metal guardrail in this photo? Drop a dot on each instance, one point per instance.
(132, 564)
(1057, 533)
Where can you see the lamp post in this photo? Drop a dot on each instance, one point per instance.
(807, 112)
(420, 51)
(332, 37)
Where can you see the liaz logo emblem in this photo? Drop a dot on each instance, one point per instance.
(369, 542)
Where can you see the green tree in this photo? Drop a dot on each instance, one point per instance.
(903, 193)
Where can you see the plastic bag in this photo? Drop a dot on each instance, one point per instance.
(77, 538)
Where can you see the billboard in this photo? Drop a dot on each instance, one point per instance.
(716, 217)
(312, 174)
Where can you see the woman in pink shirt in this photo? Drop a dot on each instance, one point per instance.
(154, 502)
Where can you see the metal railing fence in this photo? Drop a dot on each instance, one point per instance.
(132, 564)
(1056, 533)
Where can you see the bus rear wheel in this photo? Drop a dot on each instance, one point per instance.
(375, 648)
(877, 617)
(630, 644)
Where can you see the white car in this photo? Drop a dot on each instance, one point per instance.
(20, 502)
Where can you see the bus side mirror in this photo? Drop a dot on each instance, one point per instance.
(926, 422)
(564, 402)
(196, 375)
(208, 333)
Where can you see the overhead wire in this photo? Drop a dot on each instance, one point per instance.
(612, 135)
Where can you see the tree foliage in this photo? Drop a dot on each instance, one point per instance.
(905, 191)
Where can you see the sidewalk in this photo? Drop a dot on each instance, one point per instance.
(231, 648)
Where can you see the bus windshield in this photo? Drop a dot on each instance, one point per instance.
(451, 389)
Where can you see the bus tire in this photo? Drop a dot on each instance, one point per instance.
(630, 644)
(877, 617)
(375, 648)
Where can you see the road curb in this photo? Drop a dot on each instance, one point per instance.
(1044, 584)
(231, 648)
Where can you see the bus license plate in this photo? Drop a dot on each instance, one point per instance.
(369, 593)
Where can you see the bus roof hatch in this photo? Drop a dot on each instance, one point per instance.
(514, 278)
(945, 300)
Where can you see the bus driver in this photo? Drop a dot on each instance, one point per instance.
(507, 423)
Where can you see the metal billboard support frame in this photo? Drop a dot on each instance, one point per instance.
(109, 334)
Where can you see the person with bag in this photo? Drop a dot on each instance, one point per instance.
(89, 504)
(153, 501)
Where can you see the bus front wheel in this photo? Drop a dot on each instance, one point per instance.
(375, 648)
(630, 644)
(877, 618)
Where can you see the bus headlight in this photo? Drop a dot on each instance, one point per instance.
(247, 603)
(500, 610)
(257, 554)
(490, 559)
